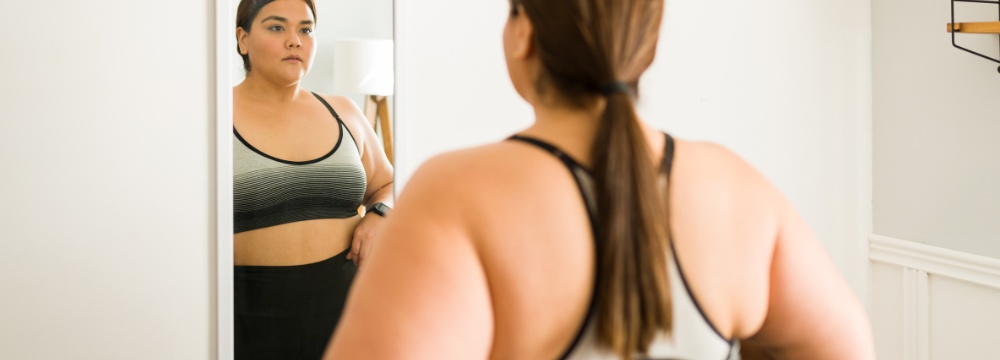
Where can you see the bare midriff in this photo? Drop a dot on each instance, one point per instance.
(298, 243)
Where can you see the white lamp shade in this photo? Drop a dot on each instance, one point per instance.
(363, 66)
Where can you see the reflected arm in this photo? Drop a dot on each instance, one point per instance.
(378, 170)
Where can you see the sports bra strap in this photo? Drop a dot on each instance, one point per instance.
(668, 154)
(550, 148)
(666, 164)
(343, 126)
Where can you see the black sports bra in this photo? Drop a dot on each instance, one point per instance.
(693, 336)
(269, 191)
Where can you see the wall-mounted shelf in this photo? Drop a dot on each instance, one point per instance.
(955, 27)
(976, 27)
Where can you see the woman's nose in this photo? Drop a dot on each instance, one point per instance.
(294, 42)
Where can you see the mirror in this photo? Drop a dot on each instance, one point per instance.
(310, 135)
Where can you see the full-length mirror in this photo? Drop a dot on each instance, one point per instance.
(312, 165)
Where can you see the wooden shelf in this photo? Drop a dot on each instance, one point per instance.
(976, 27)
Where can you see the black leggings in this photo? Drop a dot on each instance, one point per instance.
(289, 312)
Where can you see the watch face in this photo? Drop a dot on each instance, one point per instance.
(380, 208)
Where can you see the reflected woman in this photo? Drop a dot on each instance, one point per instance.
(591, 234)
(304, 165)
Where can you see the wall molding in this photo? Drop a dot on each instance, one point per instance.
(919, 262)
(916, 315)
(934, 260)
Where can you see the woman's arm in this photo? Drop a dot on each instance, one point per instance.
(812, 313)
(423, 294)
(378, 172)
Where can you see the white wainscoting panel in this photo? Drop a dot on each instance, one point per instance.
(915, 314)
(965, 320)
(933, 303)
(887, 314)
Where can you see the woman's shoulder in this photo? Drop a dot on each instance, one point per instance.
(348, 112)
(490, 176)
(338, 101)
(711, 168)
(710, 155)
(507, 162)
(709, 178)
(342, 105)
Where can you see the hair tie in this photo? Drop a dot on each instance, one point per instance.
(614, 87)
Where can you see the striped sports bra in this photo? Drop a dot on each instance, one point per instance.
(269, 191)
(693, 336)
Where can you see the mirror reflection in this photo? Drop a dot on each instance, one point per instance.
(312, 169)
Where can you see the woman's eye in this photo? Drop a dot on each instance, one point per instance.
(307, 31)
(275, 28)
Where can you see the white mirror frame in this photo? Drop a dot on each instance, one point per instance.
(224, 44)
(401, 169)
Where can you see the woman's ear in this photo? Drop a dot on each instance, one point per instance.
(241, 40)
(523, 35)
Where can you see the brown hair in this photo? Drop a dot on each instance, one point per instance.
(246, 12)
(594, 48)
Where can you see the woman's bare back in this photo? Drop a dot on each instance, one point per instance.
(493, 246)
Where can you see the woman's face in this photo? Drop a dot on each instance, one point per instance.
(281, 44)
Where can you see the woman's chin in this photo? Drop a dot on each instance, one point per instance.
(291, 79)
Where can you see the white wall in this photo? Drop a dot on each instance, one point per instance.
(785, 83)
(935, 128)
(451, 81)
(935, 183)
(106, 141)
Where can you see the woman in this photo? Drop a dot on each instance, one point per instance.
(304, 164)
(591, 234)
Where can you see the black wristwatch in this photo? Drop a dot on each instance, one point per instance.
(379, 208)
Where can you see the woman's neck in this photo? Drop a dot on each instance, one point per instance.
(566, 121)
(261, 90)
(574, 129)
(569, 128)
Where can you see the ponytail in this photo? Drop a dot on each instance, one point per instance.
(584, 45)
(633, 287)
